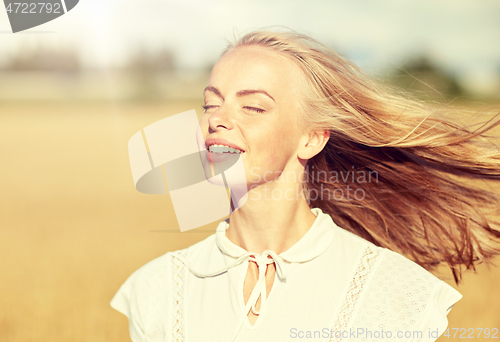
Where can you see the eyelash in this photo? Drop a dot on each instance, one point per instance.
(205, 108)
(253, 109)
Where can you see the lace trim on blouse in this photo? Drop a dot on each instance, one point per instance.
(357, 284)
(178, 279)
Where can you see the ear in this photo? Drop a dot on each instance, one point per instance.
(313, 143)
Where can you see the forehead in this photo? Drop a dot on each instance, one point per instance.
(252, 67)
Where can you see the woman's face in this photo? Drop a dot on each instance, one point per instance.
(251, 102)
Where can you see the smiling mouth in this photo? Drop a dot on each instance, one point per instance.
(224, 149)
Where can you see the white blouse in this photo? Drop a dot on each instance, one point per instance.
(329, 286)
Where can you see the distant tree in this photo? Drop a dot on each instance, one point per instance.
(420, 75)
(44, 59)
(147, 68)
(150, 63)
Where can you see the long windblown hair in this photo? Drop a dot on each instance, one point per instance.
(400, 173)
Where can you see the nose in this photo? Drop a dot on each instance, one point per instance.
(219, 120)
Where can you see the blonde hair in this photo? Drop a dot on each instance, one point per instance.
(423, 204)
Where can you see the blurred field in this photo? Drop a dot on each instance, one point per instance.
(73, 228)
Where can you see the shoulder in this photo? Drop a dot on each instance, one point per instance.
(158, 269)
(383, 266)
(145, 296)
(391, 292)
(426, 299)
(400, 295)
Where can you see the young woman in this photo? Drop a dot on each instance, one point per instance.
(342, 180)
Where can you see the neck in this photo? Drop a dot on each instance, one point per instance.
(267, 223)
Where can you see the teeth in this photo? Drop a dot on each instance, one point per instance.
(223, 149)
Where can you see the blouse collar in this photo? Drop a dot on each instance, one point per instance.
(314, 242)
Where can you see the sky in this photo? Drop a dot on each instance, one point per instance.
(461, 36)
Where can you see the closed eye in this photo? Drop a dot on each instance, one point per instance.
(208, 107)
(253, 109)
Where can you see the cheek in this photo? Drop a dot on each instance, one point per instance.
(204, 127)
(204, 123)
(275, 151)
(284, 140)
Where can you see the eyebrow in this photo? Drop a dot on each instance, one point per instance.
(239, 93)
(213, 90)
